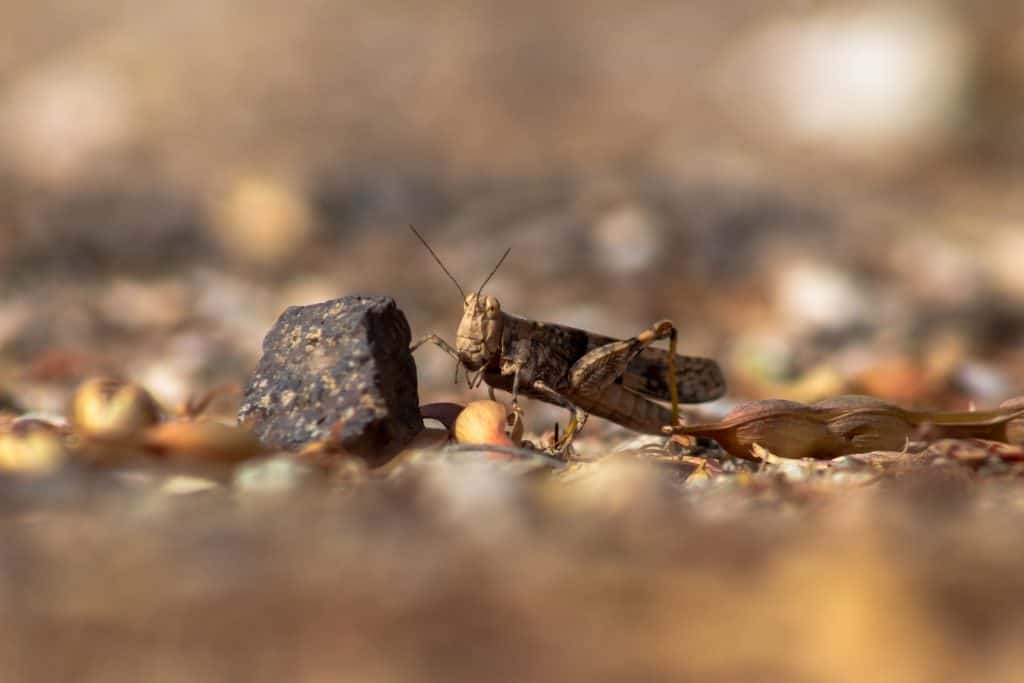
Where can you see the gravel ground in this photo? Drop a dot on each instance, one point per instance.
(825, 197)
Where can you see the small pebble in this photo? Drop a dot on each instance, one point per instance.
(794, 470)
(276, 475)
(183, 485)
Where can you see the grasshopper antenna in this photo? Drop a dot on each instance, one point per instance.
(488, 278)
(438, 259)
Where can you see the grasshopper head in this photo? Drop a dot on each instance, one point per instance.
(478, 339)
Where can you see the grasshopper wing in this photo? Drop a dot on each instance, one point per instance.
(697, 379)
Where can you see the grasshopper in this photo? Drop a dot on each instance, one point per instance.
(582, 371)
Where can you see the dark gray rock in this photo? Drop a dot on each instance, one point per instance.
(344, 362)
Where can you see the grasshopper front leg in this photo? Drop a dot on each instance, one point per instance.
(439, 343)
(444, 346)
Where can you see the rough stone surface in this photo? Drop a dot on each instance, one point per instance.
(342, 362)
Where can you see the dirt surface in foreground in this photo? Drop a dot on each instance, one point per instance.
(642, 566)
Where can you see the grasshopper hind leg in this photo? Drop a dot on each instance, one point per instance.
(593, 376)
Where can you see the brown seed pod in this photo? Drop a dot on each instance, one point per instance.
(871, 430)
(866, 423)
(112, 410)
(485, 422)
(31, 447)
(786, 428)
(1014, 426)
(853, 402)
(865, 415)
(1004, 424)
(850, 424)
(202, 440)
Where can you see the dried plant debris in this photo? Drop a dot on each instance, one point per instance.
(848, 424)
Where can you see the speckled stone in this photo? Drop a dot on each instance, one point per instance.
(345, 362)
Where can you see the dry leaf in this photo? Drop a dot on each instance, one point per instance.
(847, 424)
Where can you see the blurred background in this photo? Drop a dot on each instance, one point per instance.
(825, 196)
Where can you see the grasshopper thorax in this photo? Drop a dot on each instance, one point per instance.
(478, 339)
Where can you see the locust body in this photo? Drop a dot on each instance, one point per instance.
(585, 372)
(581, 370)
